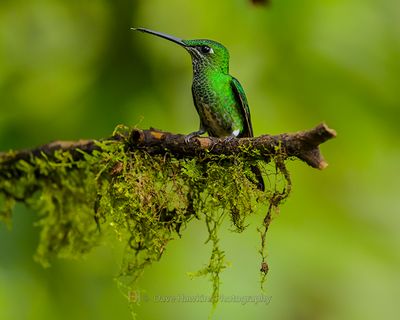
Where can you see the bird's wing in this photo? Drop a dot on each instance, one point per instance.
(244, 107)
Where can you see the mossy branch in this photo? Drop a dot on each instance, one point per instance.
(303, 144)
(144, 186)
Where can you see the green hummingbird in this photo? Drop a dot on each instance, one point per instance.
(218, 97)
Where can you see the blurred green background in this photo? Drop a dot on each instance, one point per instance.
(73, 69)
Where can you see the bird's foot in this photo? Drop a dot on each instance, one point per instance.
(230, 138)
(193, 135)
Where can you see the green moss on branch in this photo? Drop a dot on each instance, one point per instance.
(145, 187)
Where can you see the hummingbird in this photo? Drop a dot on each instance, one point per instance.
(218, 97)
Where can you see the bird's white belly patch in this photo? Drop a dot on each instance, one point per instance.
(236, 132)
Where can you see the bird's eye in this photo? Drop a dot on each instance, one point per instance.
(206, 49)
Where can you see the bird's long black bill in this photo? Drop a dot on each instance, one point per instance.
(161, 35)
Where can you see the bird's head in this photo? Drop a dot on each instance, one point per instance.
(206, 54)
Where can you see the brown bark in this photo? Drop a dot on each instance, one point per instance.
(303, 144)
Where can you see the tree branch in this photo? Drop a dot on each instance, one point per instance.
(303, 144)
(132, 183)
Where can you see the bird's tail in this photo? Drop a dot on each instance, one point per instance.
(259, 181)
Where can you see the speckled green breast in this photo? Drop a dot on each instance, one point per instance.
(216, 104)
